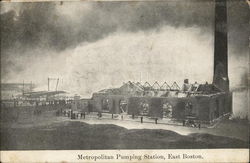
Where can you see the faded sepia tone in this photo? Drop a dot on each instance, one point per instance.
(92, 75)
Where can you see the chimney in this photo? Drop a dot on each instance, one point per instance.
(220, 78)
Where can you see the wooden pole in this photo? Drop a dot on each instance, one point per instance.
(48, 84)
(23, 87)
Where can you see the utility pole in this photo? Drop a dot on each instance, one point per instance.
(57, 83)
(23, 87)
(48, 84)
(30, 86)
(140, 76)
(49, 79)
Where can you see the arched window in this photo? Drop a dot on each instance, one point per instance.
(123, 106)
(189, 109)
(144, 108)
(105, 105)
(167, 110)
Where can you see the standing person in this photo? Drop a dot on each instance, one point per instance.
(99, 115)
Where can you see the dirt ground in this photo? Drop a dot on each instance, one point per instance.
(63, 133)
(227, 128)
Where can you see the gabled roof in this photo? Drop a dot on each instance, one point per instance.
(131, 85)
(175, 86)
(138, 85)
(146, 84)
(156, 85)
(165, 86)
(134, 85)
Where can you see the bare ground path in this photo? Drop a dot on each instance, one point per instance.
(227, 128)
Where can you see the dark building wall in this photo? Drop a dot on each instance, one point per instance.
(189, 107)
(220, 105)
(85, 105)
(134, 104)
(204, 108)
(113, 103)
(155, 104)
(97, 103)
(179, 109)
(213, 107)
(156, 107)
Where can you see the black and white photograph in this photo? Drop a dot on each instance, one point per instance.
(125, 75)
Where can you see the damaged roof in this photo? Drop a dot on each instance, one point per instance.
(136, 88)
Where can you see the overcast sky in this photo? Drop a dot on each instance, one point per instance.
(96, 45)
